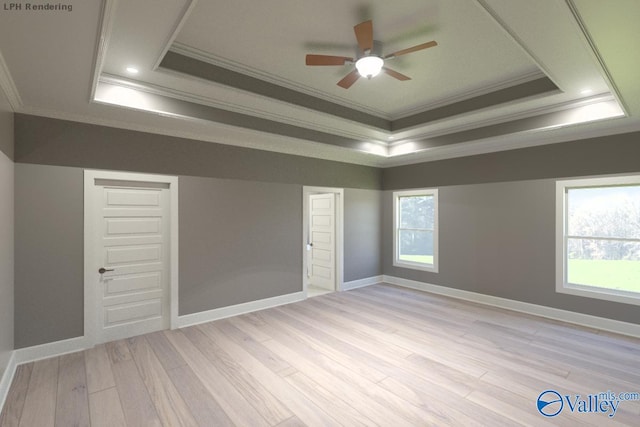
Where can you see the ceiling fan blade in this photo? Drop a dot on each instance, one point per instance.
(395, 74)
(364, 35)
(349, 79)
(327, 60)
(412, 49)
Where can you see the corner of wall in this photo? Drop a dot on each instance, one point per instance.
(7, 251)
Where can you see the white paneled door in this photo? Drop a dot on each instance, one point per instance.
(322, 237)
(131, 258)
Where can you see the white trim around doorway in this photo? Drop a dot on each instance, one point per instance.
(339, 192)
(90, 176)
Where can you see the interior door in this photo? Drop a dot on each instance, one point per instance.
(322, 238)
(132, 258)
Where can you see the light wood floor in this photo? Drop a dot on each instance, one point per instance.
(374, 356)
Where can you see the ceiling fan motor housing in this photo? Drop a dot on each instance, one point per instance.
(376, 50)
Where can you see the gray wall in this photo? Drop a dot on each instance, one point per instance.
(240, 241)
(240, 238)
(6, 233)
(498, 238)
(49, 245)
(362, 234)
(45, 141)
(604, 155)
(480, 198)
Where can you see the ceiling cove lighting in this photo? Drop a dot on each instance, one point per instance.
(369, 66)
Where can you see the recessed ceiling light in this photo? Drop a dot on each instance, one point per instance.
(132, 70)
(586, 91)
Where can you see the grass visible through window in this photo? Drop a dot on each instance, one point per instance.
(609, 274)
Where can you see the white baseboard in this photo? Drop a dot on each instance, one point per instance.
(35, 353)
(52, 349)
(7, 378)
(602, 323)
(235, 310)
(360, 283)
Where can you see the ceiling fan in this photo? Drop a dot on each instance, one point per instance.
(369, 61)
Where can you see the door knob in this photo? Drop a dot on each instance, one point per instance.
(103, 270)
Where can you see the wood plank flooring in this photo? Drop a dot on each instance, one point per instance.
(375, 356)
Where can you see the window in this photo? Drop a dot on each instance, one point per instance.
(598, 238)
(415, 224)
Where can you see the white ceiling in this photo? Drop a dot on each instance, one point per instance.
(272, 38)
(72, 65)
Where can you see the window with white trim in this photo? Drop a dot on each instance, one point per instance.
(415, 225)
(598, 238)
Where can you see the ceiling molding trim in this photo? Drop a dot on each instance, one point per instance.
(471, 124)
(186, 12)
(226, 135)
(540, 123)
(595, 53)
(163, 105)
(517, 40)
(216, 103)
(9, 87)
(525, 91)
(473, 93)
(525, 139)
(197, 69)
(107, 18)
(248, 84)
(230, 135)
(201, 55)
(170, 103)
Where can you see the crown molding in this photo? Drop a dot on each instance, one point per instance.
(516, 39)
(207, 57)
(201, 55)
(8, 86)
(470, 123)
(186, 12)
(242, 109)
(463, 96)
(595, 54)
(240, 137)
(514, 141)
(219, 133)
(107, 17)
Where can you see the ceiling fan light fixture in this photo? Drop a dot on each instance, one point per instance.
(369, 66)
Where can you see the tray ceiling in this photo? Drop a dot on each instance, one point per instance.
(505, 73)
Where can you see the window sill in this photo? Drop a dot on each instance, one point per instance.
(600, 293)
(433, 268)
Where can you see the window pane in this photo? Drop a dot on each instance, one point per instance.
(416, 212)
(416, 246)
(604, 264)
(604, 212)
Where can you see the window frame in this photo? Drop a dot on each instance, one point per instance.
(397, 262)
(562, 285)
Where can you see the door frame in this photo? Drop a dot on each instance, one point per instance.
(339, 223)
(90, 295)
